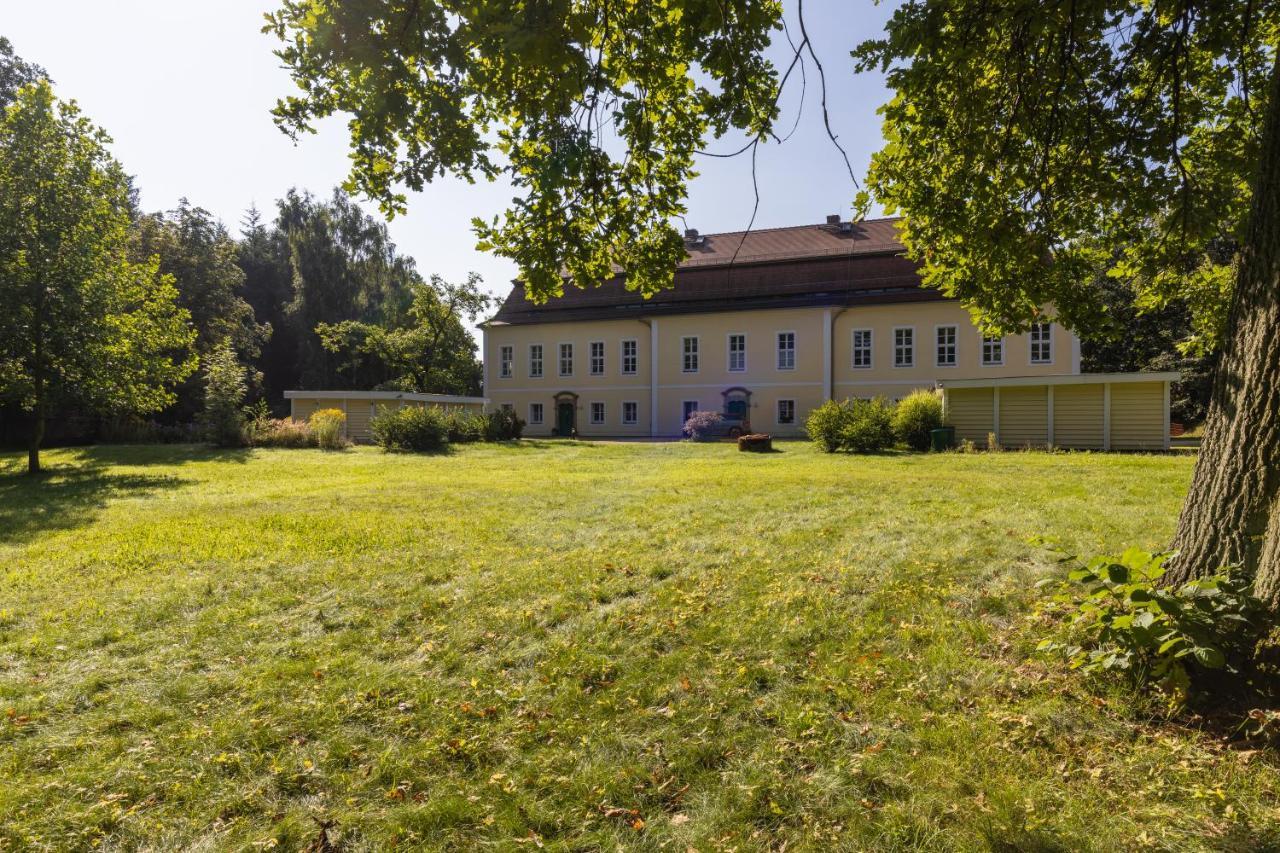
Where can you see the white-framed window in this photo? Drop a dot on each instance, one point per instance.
(535, 361)
(992, 350)
(535, 413)
(506, 361)
(508, 407)
(786, 350)
(904, 346)
(737, 353)
(566, 359)
(687, 408)
(630, 360)
(595, 358)
(786, 411)
(630, 412)
(597, 413)
(1041, 343)
(862, 342)
(689, 354)
(947, 355)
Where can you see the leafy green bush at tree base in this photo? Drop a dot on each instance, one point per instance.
(464, 427)
(1177, 637)
(915, 417)
(421, 428)
(326, 426)
(860, 426)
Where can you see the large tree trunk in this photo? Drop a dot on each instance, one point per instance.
(1231, 515)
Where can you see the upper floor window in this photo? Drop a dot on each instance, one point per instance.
(629, 359)
(566, 359)
(992, 350)
(786, 350)
(689, 347)
(596, 354)
(1041, 343)
(862, 348)
(737, 353)
(506, 360)
(947, 346)
(904, 347)
(535, 361)
(786, 411)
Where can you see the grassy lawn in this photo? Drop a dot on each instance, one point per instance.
(647, 646)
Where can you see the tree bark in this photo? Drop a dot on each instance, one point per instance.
(37, 438)
(1231, 515)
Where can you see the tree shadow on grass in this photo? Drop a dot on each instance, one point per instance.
(66, 496)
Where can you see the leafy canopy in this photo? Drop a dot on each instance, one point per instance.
(80, 321)
(1032, 144)
(593, 110)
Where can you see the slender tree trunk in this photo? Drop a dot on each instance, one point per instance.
(37, 438)
(1231, 515)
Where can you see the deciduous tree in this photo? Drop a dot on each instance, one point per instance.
(80, 321)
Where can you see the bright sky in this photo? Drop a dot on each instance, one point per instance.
(185, 88)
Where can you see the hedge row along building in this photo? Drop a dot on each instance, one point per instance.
(767, 325)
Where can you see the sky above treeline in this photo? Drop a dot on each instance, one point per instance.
(185, 89)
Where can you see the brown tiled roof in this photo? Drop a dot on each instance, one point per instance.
(775, 268)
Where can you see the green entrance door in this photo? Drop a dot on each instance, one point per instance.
(564, 418)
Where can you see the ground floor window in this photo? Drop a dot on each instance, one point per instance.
(597, 413)
(535, 413)
(630, 412)
(508, 407)
(688, 407)
(786, 411)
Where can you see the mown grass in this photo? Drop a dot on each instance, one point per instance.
(639, 646)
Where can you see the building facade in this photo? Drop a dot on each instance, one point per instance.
(770, 325)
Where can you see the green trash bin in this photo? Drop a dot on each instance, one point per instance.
(943, 438)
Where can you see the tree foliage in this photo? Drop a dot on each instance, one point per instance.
(15, 72)
(80, 321)
(544, 93)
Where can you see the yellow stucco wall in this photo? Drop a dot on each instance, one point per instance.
(763, 376)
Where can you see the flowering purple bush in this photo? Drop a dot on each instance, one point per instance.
(701, 425)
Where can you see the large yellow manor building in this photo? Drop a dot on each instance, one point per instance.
(770, 325)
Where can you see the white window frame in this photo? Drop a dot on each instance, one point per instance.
(591, 413)
(506, 361)
(728, 349)
(777, 341)
(560, 361)
(955, 345)
(635, 418)
(591, 358)
(911, 349)
(635, 356)
(777, 412)
(1047, 343)
(540, 409)
(685, 353)
(870, 349)
(684, 415)
(537, 361)
(983, 340)
(507, 407)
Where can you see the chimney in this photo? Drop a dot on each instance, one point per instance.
(691, 234)
(833, 219)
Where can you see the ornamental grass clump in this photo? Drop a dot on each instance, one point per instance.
(278, 432)
(915, 417)
(327, 428)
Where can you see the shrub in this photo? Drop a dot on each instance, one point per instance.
(869, 427)
(278, 432)
(224, 390)
(701, 425)
(825, 424)
(326, 426)
(917, 415)
(503, 425)
(421, 428)
(1178, 637)
(464, 427)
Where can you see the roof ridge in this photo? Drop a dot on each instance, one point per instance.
(794, 227)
